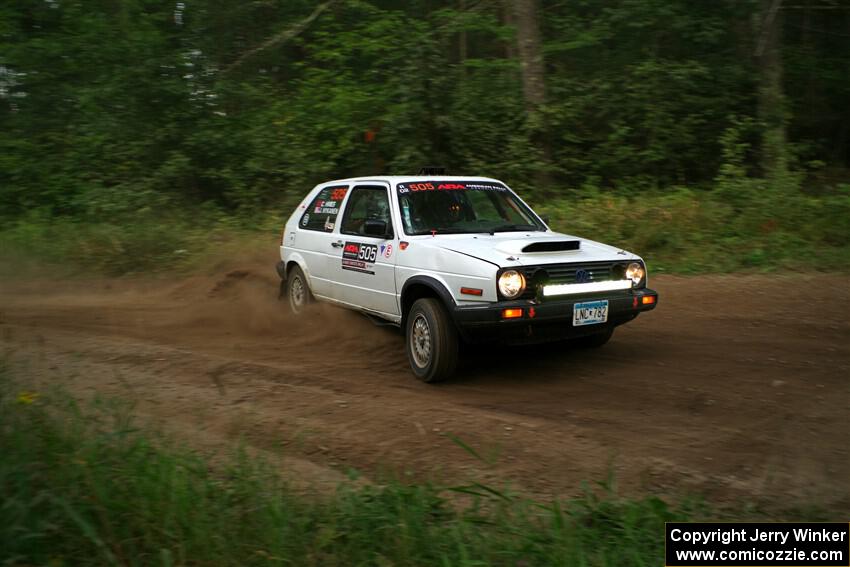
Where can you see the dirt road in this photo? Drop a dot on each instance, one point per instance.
(736, 386)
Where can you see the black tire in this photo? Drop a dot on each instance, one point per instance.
(297, 291)
(431, 341)
(596, 340)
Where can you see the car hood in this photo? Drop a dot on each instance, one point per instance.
(516, 248)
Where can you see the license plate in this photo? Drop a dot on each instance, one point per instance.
(590, 313)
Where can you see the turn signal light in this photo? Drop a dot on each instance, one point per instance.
(511, 313)
(647, 299)
(471, 291)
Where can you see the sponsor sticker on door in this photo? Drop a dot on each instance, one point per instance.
(359, 257)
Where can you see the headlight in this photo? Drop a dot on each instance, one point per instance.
(635, 272)
(511, 283)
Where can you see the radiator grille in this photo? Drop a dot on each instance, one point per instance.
(566, 274)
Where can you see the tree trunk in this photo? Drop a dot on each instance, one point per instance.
(530, 53)
(771, 98)
(507, 12)
(462, 41)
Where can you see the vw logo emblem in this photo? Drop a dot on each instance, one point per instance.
(583, 276)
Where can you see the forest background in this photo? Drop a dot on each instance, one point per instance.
(135, 135)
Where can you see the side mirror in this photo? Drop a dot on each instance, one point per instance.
(545, 218)
(376, 228)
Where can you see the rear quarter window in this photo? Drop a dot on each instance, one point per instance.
(322, 212)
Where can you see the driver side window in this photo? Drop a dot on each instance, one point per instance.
(366, 203)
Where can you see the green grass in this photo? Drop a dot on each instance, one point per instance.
(84, 486)
(685, 231)
(676, 231)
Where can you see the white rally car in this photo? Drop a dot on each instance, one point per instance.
(451, 258)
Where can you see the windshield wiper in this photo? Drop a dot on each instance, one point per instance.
(513, 228)
(444, 230)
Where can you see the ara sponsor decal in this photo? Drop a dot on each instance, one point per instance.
(306, 219)
(421, 186)
(359, 257)
(389, 251)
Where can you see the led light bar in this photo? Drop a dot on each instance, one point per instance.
(591, 287)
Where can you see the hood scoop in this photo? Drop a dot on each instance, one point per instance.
(552, 246)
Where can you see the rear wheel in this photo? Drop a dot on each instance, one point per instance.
(297, 291)
(595, 340)
(432, 342)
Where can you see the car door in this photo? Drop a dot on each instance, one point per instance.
(365, 266)
(317, 237)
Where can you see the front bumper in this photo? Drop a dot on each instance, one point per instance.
(548, 320)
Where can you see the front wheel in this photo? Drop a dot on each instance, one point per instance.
(297, 291)
(432, 342)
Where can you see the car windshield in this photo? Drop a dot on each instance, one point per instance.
(454, 207)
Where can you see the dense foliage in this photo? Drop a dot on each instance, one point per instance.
(131, 110)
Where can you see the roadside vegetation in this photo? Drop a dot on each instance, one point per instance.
(678, 231)
(83, 484)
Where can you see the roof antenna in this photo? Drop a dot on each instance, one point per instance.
(432, 170)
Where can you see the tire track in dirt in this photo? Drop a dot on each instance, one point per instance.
(732, 387)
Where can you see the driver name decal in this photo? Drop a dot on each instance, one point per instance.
(359, 257)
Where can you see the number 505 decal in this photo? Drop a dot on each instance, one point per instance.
(368, 252)
(359, 257)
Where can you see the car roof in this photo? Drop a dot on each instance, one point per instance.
(393, 179)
